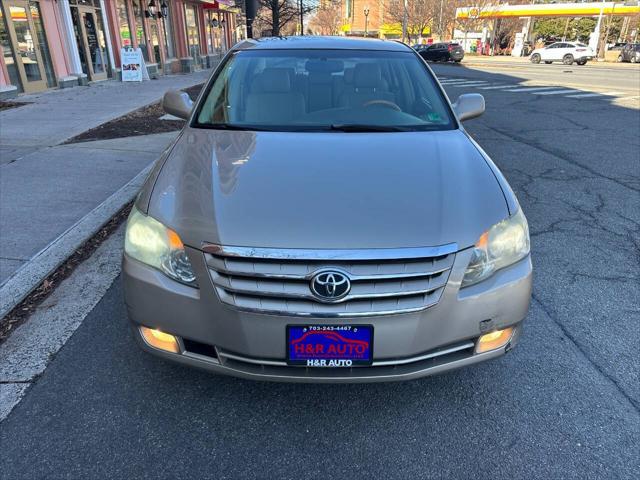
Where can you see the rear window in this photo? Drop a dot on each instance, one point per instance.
(324, 90)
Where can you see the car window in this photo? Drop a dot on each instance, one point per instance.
(311, 90)
(553, 45)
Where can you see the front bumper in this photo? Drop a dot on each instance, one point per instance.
(225, 340)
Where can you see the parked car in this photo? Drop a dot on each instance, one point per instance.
(565, 52)
(442, 52)
(630, 53)
(324, 217)
(618, 46)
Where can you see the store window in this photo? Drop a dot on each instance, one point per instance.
(141, 31)
(9, 60)
(193, 34)
(123, 17)
(36, 15)
(155, 40)
(25, 47)
(167, 30)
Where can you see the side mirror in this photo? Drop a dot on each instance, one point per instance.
(468, 106)
(177, 103)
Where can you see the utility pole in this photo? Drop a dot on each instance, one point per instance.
(366, 21)
(251, 7)
(440, 21)
(405, 20)
(301, 17)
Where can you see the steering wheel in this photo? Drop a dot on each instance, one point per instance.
(385, 103)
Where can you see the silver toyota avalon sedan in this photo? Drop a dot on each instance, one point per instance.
(324, 217)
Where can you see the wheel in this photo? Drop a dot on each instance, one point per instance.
(548, 62)
(619, 59)
(581, 62)
(535, 58)
(567, 59)
(634, 59)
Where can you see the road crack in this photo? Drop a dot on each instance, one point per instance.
(634, 403)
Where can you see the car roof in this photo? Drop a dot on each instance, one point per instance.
(319, 42)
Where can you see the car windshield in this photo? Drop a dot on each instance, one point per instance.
(324, 90)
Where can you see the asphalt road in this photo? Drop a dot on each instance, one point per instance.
(564, 404)
(619, 76)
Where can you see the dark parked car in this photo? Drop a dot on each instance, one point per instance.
(442, 52)
(630, 53)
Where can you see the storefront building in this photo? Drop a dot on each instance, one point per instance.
(61, 43)
(34, 55)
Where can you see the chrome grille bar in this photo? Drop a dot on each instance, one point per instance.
(277, 282)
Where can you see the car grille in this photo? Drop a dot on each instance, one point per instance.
(383, 281)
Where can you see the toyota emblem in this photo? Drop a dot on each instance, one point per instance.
(330, 286)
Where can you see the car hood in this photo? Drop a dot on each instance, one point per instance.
(327, 190)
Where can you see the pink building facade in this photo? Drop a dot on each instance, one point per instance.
(62, 43)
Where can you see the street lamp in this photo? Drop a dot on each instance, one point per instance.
(366, 21)
(151, 9)
(164, 9)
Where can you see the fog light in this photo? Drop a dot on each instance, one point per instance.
(493, 340)
(160, 340)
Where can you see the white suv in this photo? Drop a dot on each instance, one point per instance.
(565, 52)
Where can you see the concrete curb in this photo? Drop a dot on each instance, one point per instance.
(29, 276)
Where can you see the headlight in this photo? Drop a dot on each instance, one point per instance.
(150, 242)
(502, 245)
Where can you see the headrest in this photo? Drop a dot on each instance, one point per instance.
(324, 66)
(272, 80)
(348, 75)
(367, 75)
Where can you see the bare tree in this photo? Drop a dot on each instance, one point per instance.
(420, 15)
(276, 15)
(328, 18)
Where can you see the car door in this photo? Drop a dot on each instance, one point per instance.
(566, 48)
(547, 52)
(430, 53)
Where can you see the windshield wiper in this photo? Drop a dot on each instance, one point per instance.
(229, 126)
(355, 127)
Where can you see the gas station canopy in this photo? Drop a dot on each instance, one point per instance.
(549, 10)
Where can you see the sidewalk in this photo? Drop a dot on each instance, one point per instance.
(46, 188)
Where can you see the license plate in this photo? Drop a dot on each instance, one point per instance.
(329, 345)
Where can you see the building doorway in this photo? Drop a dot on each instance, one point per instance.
(26, 54)
(92, 44)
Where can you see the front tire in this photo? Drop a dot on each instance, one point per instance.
(619, 59)
(581, 62)
(535, 58)
(567, 59)
(634, 59)
(548, 62)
